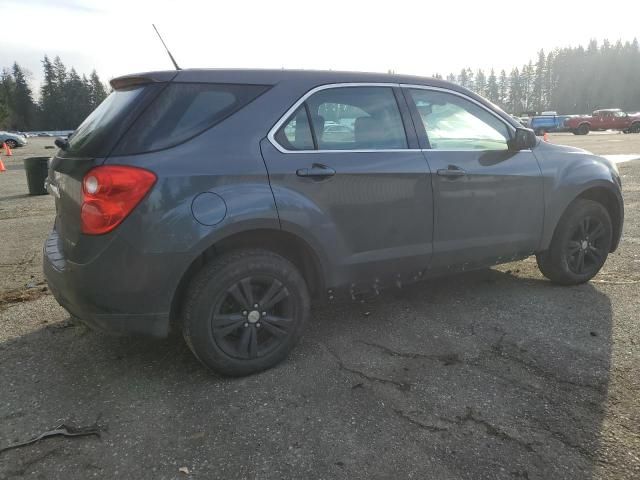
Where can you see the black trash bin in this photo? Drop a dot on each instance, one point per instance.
(36, 168)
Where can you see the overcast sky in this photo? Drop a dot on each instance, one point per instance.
(415, 37)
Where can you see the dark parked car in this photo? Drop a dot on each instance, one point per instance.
(211, 201)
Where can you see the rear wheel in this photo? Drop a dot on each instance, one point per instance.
(11, 143)
(245, 311)
(635, 128)
(583, 129)
(580, 244)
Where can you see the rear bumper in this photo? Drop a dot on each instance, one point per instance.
(90, 293)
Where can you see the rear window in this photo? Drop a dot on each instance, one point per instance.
(182, 111)
(99, 131)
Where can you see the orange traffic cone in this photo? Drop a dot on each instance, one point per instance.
(2, 169)
(7, 150)
(546, 137)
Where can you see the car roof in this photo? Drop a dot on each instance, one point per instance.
(275, 76)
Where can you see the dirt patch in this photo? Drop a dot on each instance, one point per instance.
(19, 295)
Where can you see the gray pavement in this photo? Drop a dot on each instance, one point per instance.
(485, 375)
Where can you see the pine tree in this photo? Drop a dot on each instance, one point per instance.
(463, 78)
(503, 90)
(23, 106)
(493, 93)
(76, 95)
(481, 83)
(49, 97)
(7, 87)
(97, 90)
(538, 98)
(516, 103)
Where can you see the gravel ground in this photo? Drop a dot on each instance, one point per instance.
(486, 375)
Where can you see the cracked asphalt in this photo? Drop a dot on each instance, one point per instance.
(496, 374)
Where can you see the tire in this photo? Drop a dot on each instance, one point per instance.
(575, 131)
(11, 143)
(635, 128)
(583, 129)
(248, 339)
(580, 244)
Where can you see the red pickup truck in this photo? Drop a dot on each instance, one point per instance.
(606, 119)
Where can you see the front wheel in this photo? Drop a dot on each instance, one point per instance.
(583, 129)
(245, 311)
(580, 244)
(635, 128)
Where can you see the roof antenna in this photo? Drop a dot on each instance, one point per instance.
(166, 48)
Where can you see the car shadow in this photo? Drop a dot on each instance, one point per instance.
(480, 375)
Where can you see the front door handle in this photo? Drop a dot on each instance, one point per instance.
(452, 172)
(317, 171)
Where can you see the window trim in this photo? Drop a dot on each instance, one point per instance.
(421, 131)
(411, 105)
(301, 100)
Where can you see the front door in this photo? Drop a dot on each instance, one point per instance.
(488, 198)
(345, 166)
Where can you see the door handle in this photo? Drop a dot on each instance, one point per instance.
(451, 172)
(317, 171)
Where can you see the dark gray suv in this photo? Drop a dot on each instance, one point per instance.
(221, 202)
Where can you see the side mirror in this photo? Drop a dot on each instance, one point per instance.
(61, 143)
(524, 139)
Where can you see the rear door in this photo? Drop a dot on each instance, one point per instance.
(345, 167)
(488, 198)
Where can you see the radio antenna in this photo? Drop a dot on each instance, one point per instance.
(166, 48)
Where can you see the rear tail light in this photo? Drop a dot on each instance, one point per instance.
(109, 194)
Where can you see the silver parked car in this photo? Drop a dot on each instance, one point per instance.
(13, 140)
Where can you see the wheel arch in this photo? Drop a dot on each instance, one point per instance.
(606, 196)
(292, 247)
(608, 199)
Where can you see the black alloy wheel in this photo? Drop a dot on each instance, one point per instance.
(253, 318)
(587, 248)
(244, 311)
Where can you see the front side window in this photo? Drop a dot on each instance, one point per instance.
(345, 118)
(454, 123)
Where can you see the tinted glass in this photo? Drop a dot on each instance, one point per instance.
(295, 134)
(94, 136)
(356, 118)
(182, 111)
(454, 123)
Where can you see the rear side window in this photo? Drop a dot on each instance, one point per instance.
(182, 111)
(345, 118)
(295, 134)
(357, 118)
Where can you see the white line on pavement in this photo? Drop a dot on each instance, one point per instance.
(622, 157)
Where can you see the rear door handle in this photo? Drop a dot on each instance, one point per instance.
(452, 172)
(316, 171)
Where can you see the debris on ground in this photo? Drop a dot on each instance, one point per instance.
(62, 429)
